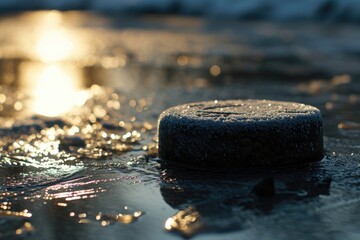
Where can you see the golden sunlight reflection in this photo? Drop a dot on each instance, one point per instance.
(22, 214)
(54, 42)
(55, 84)
(55, 89)
(107, 219)
(26, 229)
(187, 222)
(54, 45)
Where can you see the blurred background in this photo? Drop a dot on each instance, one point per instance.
(82, 84)
(325, 10)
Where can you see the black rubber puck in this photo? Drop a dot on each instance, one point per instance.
(240, 133)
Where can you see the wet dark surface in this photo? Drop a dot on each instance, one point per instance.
(80, 98)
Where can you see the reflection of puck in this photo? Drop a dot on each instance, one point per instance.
(240, 133)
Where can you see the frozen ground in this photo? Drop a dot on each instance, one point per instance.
(88, 169)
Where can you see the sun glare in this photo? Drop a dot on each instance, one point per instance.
(55, 89)
(54, 45)
(54, 82)
(53, 42)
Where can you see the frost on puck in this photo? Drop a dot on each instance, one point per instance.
(240, 133)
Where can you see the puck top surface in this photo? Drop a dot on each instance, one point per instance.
(240, 133)
(242, 111)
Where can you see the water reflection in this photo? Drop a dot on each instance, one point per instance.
(54, 45)
(54, 88)
(229, 202)
(47, 77)
(187, 222)
(54, 42)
